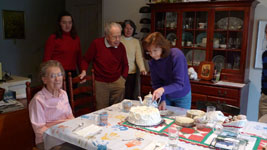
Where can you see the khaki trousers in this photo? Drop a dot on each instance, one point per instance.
(108, 94)
(262, 105)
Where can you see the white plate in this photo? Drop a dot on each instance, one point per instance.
(166, 112)
(199, 56)
(234, 23)
(171, 37)
(218, 62)
(162, 121)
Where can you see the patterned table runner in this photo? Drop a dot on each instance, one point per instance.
(202, 137)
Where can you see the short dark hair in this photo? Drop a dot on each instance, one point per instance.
(157, 39)
(131, 23)
(59, 31)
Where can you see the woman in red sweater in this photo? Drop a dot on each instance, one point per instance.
(64, 45)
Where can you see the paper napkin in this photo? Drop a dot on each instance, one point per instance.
(155, 146)
(89, 130)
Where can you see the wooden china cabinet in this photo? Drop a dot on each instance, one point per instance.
(217, 31)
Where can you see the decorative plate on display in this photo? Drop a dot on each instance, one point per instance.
(199, 56)
(218, 62)
(234, 23)
(187, 36)
(171, 36)
(142, 125)
(166, 112)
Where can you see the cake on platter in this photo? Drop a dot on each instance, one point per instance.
(144, 116)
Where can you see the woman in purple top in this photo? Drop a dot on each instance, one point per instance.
(168, 70)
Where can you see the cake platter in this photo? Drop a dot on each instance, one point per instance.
(142, 125)
(166, 113)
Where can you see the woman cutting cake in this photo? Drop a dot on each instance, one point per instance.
(168, 69)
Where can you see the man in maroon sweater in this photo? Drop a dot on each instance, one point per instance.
(109, 59)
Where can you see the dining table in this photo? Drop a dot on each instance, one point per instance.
(118, 134)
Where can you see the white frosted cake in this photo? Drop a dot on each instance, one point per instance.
(144, 116)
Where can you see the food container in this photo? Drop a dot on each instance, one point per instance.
(194, 112)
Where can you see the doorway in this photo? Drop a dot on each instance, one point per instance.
(87, 15)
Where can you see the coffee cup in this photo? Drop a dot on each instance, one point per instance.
(201, 25)
(126, 105)
(189, 43)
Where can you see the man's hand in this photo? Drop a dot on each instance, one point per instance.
(82, 75)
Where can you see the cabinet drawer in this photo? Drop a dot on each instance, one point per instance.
(198, 97)
(234, 102)
(216, 91)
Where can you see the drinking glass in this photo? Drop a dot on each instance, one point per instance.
(126, 105)
(173, 136)
(211, 108)
(230, 42)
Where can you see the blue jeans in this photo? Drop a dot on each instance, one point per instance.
(184, 102)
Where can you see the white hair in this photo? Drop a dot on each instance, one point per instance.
(109, 25)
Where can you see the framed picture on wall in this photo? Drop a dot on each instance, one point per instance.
(261, 42)
(13, 24)
(205, 70)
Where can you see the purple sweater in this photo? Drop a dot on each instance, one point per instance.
(171, 74)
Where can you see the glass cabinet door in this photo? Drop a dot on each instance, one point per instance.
(166, 23)
(194, 36)
(227, 39)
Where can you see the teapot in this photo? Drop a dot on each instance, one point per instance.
(148, 101)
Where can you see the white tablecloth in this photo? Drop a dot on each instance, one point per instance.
(113, 136)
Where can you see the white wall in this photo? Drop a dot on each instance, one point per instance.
(118, 10)
(255, 74)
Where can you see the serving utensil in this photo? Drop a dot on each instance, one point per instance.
(79, 126)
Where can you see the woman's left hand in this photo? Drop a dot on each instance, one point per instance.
(157, 93)
(162, 105)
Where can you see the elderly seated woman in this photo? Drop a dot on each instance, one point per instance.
(50, 105)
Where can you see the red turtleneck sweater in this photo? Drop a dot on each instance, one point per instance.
(65, 50)
(109, 63)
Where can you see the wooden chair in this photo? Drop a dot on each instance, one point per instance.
(2, 92)
(31, 91)
(82, 97)
(146, 86)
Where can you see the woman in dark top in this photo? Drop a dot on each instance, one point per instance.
(168, 69)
